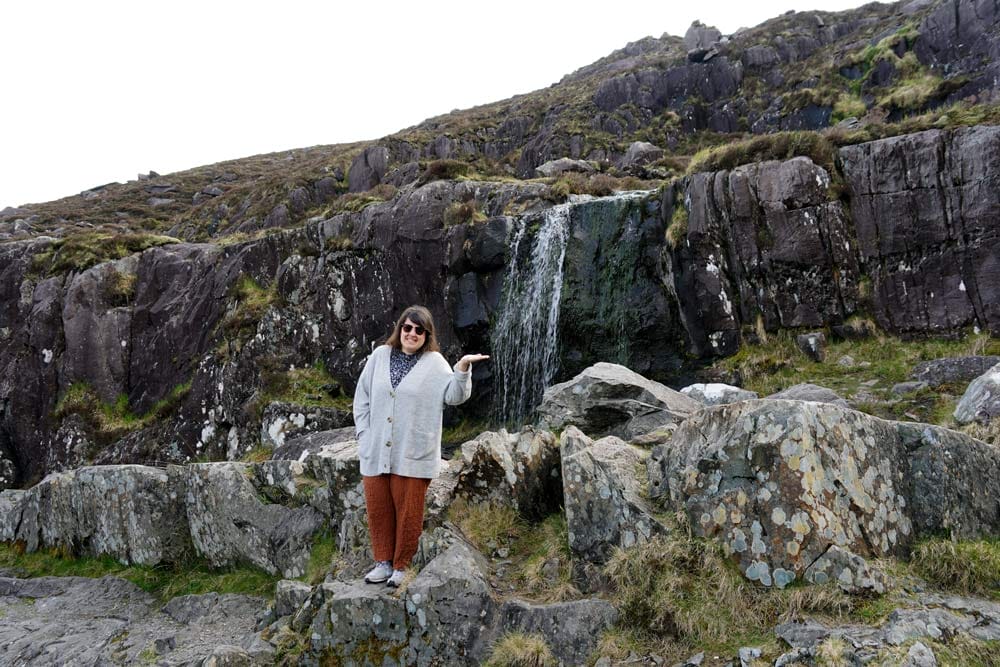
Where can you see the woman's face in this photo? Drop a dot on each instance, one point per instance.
(411, 340)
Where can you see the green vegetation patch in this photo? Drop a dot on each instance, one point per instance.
(521, 650)
(310, 386)
(540, 561)
(463, 213)
(776, 363)
(252, 301)
(443, 170)
(323, 558)
(82, 251)
(165, 582)
(777, 146)
(110, 421)
(677, 230)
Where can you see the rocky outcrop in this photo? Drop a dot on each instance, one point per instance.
(264, 514)
(78, 620)
(446, 615)
(611, 399)
(923, 207)
(931, 617)
(780, 483)
(763, 240)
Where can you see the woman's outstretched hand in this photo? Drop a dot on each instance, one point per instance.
(465, 362)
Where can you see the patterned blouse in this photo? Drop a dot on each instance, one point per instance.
(400, 364)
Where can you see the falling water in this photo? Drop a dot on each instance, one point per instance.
(525, 337)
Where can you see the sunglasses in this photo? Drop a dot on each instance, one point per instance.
(407, 328)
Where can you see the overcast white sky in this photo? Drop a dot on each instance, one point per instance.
(99, 91)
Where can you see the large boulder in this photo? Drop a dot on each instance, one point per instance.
(981, 401)
(779, 483)
(564, 164)
(368, 168)
(608, 399)
(603, 496)
(515, 469)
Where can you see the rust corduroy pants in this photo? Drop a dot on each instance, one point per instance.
(395, 516)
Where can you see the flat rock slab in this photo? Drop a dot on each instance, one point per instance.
(77, 620)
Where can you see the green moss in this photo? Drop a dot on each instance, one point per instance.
(311, 386)
(252, 301)
(847, 106)
(166, 582)
(443, 170)
(462, 213)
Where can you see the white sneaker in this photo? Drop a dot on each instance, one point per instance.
(396, 579)
(379, 573)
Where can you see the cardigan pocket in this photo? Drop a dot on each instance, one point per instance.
(423, 448)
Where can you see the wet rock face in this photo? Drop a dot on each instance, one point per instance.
(611, 399)
(929, 242)
(779, 482)
(761, 240)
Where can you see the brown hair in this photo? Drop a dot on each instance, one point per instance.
(417, 315)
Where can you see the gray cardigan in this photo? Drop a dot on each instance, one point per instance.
(399, 430)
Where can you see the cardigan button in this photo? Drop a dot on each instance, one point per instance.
(389, 444)
(389, 419)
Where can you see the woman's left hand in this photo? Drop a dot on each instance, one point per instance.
(465, 362)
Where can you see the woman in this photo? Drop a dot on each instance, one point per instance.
(397, 415)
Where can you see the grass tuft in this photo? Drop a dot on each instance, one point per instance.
(521, 650)
(968, 567)
(678, 228)
(777, 146)
(79, 252)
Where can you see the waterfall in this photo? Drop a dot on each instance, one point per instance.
(526, 335)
